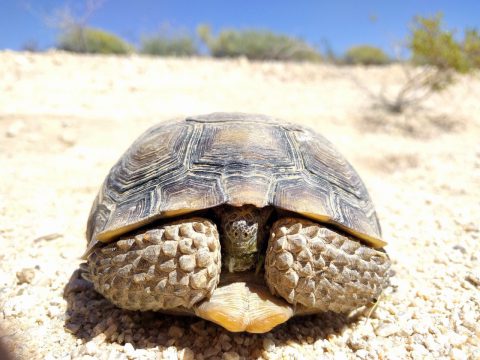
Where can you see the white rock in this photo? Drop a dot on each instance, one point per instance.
(458, 354)
(115, 355)
(19, 305)
(318, 346)
(54, 311)
(15, 128)
(386, 330)
(421, 327)
(362, 354)
(406, 327)
(6, 280)
(68, 138)
(146, 354)
(170, 353)
(49, 356)
(355, 342)
(396, 352)
(419, 351)
(129, 349)
(91, 348)
(340, 355)
(431, 344)
(457, 339)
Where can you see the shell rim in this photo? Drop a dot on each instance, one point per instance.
(110, 235)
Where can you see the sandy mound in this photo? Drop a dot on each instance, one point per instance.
(65, 119)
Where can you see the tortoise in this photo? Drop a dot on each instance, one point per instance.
(239, 219)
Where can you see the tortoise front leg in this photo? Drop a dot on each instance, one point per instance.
(311, 265)
(166, 267)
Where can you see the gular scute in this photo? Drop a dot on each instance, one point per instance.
(234, 159)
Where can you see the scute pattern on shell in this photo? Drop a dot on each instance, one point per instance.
(236, 159)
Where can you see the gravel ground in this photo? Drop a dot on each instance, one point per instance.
(65, 119)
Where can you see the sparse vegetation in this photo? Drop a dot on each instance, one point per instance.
(81, 39)
(31, 46)
(434, 49)
(257, 45)
(432, 45)
(471, 47)
(75, 34)
(365, 55)
(163, 45)
(436, 58)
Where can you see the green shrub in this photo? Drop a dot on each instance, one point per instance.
(90, 40)
(257, 45)
(162, 45)
(471, 47)
(366, 55)
(430, 44)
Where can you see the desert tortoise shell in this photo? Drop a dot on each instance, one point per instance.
(235, 159)
(226, 159)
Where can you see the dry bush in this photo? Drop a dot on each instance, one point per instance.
(365, 55)
(436, 59)
(80, 39)
(162, 44)
(257, 45)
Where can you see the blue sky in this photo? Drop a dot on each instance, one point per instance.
(344, 23)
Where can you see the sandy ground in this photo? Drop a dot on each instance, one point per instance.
(65, 119)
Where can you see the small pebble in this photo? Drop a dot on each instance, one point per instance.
(362, 354)
(231, 355)
(211, 351)
(91, 348)
(15, 128)
(238, 339)
(25, 276)
(54, 312)
(268, 344)
(355, 342)
(458, 354)
(186, 354)
(19, 305)
(387, 330)
(340, 355)
(72, 328)
(175, 331)
(421, 328)
(68, 138)
(474, 278)
(129, 349)
(169, 354)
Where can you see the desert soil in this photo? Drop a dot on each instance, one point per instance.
(65, 120)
